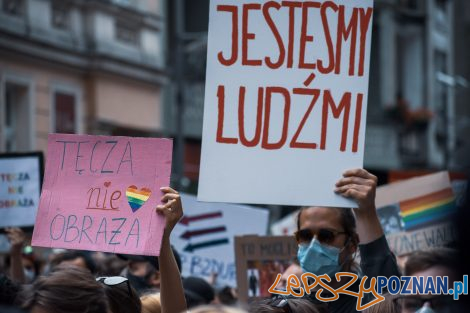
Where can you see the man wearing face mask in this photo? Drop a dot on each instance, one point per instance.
(143, 272)
(329, 238)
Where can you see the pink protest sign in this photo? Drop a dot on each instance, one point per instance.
(100, 194)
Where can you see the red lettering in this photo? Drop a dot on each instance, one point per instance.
(345, 104)
(292, 5)
(357, 122)
(304, 37)
(344, 33)
(233, 58)
(329, 42)
(241, 118)
(311, 92)
(285, 125)
(246, 36)
(220, 118)
(365, 24)
(277, 36)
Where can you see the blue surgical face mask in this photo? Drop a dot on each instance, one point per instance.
(319, 259)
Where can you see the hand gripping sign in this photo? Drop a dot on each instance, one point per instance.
(100, 194)
(285, 100)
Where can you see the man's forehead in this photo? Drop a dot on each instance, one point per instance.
(320, 217)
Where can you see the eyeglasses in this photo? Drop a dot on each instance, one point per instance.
(115, 280)
(439, 304)
(323, 235)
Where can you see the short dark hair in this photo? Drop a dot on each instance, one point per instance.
(119, 299)
(72, 255)
(66, 289)
(422, 260)
(274, 305)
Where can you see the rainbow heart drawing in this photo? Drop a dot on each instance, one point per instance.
(136, 197)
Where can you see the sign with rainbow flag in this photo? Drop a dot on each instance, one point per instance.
(100, 194)
(415, 203)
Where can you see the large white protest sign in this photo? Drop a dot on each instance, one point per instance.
(205, 236)
(20, 185)
(285, 100)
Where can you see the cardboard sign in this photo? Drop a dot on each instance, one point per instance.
(100, 194)
(205, 236)
(422, 239)
(285, 100)
(20, 185)
(259, 260)
(415, 203)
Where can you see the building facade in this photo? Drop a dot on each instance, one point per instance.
(80, 66)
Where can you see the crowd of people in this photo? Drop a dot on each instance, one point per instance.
(330, 240)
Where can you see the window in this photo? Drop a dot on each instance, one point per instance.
(17, 126)
(127, 34)
(13, 7)
(60, 16)
(65, 114)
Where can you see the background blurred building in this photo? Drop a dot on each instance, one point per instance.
(103, 67)
(80, 66)
(418, 112)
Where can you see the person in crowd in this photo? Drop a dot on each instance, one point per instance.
(109, 264)
(151, 303)
(67, 289)
(389, 305)
(197, 291)
(81, 259)
(329, 238)
(216, 308)
(293, 269)
(144, 272)
(17, 238)
(436, 262)
(287, 305)
(9, 291)
(122, 298)
(226, 296)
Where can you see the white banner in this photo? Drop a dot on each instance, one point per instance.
(205, 236)
(285, 100)
(19, 189)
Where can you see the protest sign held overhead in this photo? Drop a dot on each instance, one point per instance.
(204, 237)
(285, 100)
(259, 259)
(416, 214)
(20, 185)
(423, 239)
(100, 194)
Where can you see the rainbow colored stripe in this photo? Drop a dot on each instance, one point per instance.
(427, 209)
(136, 197)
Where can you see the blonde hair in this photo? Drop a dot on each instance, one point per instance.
(151, 303)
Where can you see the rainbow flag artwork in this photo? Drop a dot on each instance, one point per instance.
(428, 209)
